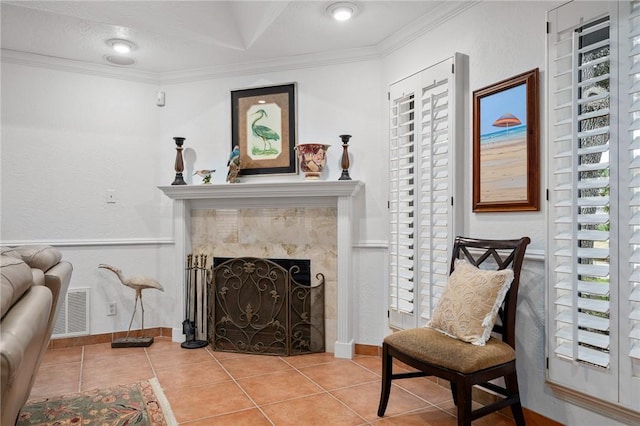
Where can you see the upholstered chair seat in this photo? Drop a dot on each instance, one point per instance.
(432, 347)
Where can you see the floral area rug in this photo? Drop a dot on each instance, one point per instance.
(142, 403)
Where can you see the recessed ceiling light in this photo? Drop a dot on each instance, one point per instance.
(120, 45)
(119, 60)
(342, 11)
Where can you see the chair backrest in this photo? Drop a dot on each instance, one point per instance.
(496, 255)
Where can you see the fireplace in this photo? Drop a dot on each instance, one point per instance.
(198, 207)
(265, 306)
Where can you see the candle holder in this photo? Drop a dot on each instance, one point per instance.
(345, 157)
(179, 163)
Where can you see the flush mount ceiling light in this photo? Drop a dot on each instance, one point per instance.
(119, 60)
(342, 11)
(120, 45)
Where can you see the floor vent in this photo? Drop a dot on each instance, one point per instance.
(73, 318)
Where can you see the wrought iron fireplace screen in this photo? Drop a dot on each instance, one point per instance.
(256, 306)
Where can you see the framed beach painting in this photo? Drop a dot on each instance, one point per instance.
(263, 126)
(506, 156)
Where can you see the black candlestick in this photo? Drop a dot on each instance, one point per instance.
(179, 163)
(345, 157)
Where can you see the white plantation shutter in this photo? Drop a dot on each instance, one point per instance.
(630, 312)
(592, 165)
(422, 220)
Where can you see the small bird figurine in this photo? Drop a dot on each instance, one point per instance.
(136, 283)
(205, 175)
(234, 165)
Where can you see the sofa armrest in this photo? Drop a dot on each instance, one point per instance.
(57, 279)
(24, 330)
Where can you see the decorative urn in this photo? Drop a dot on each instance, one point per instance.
(312, 158)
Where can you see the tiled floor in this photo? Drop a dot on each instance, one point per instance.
(218, 388)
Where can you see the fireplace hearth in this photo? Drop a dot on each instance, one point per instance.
(265, 306)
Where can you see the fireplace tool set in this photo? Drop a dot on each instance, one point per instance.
(195, 324)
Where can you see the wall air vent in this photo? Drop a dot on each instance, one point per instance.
(73, 318)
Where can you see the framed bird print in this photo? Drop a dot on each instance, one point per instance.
(506, 132)
(263, 127)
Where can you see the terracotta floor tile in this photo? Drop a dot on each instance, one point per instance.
(227, 355)
(339, 374)
(102, 350)
(163, 344)
(197, 402)
(371, 363)
(494, 419)
(50, 391)
(321, 410)
(307, 360)
(278, 386)
(119, 367)
(50, 375)
(118, 358)
(489, 420)
(254, 365)
(364, 399)
(61, 356)
(288, 390)
(425, 389)
(108, 380)
(431, 416)
(196, 374)
(251, 417)
(165, 359)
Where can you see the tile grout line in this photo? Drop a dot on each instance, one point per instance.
(235, 381)
(329, 392)
(155, 374)
(81, 369)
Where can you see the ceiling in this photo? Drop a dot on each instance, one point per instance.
(177, 36)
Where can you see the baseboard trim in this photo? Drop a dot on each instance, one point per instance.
(370, 350)
(94, 339)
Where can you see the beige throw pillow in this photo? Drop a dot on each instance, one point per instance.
(469, 304)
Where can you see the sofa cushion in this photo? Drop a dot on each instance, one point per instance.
(40, 257)
(16, 278)
(10, 251)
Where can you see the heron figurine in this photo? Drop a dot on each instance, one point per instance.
(137, 283)
(263, 132)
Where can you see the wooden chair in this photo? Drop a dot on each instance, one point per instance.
(464, 364)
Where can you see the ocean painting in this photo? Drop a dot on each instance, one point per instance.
(503, 146)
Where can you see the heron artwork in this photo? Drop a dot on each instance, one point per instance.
(138, 283)
(263, 132)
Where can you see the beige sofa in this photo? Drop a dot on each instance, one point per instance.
(34, 281)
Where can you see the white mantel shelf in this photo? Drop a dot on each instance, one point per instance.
(338, 194)
(297, 189)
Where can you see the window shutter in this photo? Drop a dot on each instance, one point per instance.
(581, 181)
(422, 219)
(630, 311)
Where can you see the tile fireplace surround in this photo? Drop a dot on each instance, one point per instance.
(227, 204)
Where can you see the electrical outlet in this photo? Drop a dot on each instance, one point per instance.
(111, 196)
(111, 310)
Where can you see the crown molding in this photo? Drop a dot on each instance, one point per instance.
(79, 67)
(440, 14)
(312, 60)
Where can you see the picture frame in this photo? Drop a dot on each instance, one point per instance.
(506, 145)
(263, 126)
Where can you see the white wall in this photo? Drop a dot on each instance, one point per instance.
(67, 138)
